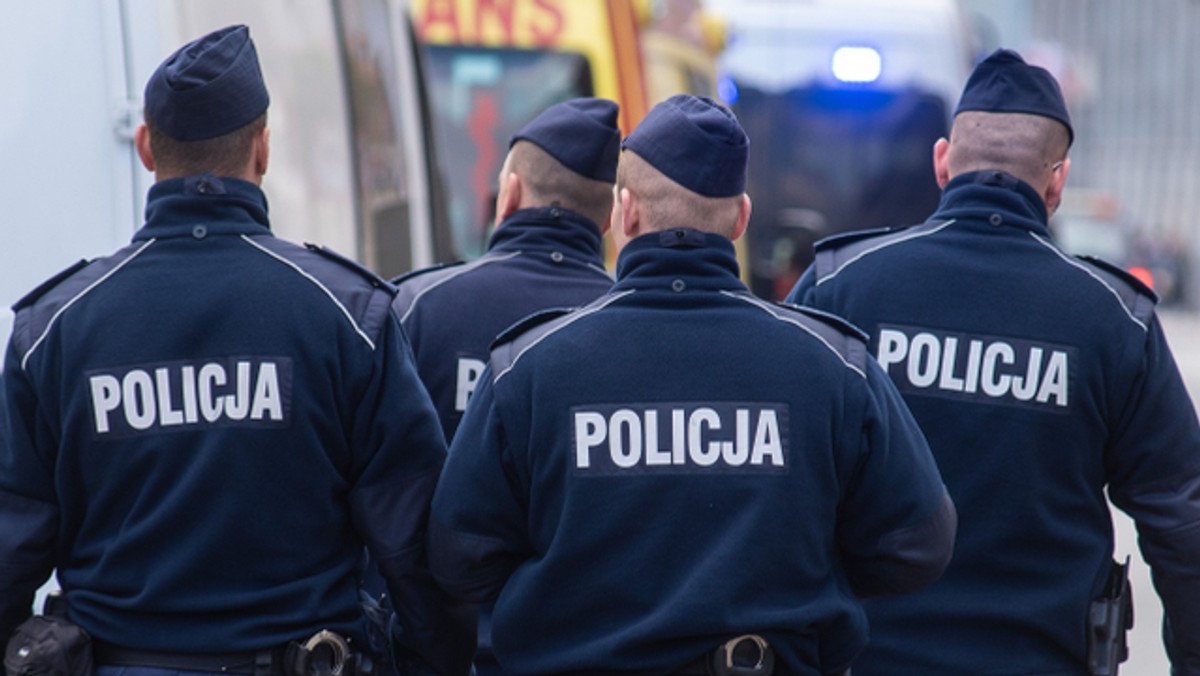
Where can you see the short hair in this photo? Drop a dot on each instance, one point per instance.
(548, 182)
(225, 155)
(666, 204)
(1020, 144)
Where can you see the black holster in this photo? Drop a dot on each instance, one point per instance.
(46, 645)
(1109, 617)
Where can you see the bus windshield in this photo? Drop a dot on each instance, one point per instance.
(481, 96)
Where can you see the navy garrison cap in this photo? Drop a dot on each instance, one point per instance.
(208, 88)
(582, 134)
(696, 142)
(1004, 83)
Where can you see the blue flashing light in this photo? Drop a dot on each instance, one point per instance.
(727, 90)
(857, 64)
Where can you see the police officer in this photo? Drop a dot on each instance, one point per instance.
(1041, 380)
(208, 425)
(680, 473)
(552, 209)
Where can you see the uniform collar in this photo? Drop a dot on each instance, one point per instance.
(996, 197)
(699, 260)
(221, 206)
(545, 228)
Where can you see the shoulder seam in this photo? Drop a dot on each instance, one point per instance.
(569, 319)
(88, 289)
(465, 268)
(902, 236)
(774, 312)
(420, 272)
(1080, 266)
(305, 274)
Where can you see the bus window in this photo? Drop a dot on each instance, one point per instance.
(481, 96)
(492, 66)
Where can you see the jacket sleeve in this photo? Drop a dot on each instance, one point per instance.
(28, 509)
(396, 430)
(1154, 476)
(477, 528)
(897, 523)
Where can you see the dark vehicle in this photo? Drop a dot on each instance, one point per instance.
(843, 101)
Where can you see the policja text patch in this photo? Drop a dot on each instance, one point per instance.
(987, 369)
(220, 392)
(674, 438)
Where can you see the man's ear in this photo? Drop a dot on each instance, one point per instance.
(1054, 190)
(508, 200)
(743, 218)
(941, 162)
(262, 152)
(141, 141)
(608, 222)
(631, 214)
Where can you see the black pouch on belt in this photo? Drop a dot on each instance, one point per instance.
(45, 645)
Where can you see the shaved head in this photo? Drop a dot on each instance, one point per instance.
(1026, 146)
(547, 182)
(666, 204)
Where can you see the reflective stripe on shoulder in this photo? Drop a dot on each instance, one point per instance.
(831, 261)
(319, 285)
(403, 298)
(824, 333)
(1130, 300)
(86, 290)
(501, 365)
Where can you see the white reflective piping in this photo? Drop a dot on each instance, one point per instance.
(81, 294)
(1093, 275)
(601, 269)
(315, 281)
(884, 245)
(769, 309)
(577, 315)
(461, 271)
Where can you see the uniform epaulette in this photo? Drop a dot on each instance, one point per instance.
(1139, 300)
(366, 273)
(417, 273)
(41, 290)
(844, 238)
(536, 319)
(1125, 276)
(830, 319)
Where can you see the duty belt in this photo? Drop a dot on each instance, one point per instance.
(262, 663)
(323, 654)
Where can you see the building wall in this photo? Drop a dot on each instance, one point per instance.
(1127, 72)
(1135, 104)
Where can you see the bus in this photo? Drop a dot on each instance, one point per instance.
(493, 65)
(843, 101)
(349, 162)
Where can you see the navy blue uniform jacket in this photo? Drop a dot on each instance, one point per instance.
(1039, 380)
(204, 430)
(537, 259)
(679, 463)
